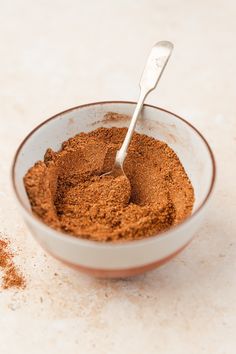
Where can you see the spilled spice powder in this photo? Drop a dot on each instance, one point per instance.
(12, 278)
(67, 191)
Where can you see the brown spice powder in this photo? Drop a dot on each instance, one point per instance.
(12, 278)
(67, 191)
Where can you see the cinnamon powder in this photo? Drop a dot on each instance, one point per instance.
(12, 278)
(67, 191)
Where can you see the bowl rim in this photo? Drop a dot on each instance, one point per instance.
(85, 242)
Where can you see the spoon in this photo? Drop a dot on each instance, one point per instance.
(153, 70)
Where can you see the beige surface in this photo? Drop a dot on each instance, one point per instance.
(58, 54)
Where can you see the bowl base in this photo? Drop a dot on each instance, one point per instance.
(119, 273)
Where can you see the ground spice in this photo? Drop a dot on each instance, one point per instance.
(12, 278)
(67, 191)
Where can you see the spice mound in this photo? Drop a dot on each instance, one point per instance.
(68, 192)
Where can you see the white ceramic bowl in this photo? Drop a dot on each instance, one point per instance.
(117, 260)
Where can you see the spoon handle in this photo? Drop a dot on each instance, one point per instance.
(153, 70)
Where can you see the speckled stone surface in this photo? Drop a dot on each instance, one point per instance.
(58, 54)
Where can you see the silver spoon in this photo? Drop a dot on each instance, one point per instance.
(153, 70)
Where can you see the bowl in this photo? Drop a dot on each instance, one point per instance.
(134, 257)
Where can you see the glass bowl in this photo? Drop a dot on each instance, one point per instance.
(129, 258)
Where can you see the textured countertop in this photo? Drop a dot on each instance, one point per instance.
(59, 54)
